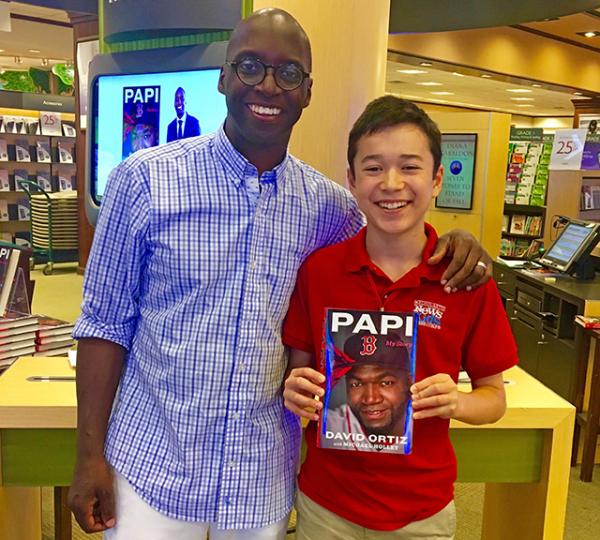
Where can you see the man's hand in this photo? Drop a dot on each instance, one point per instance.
(466, 270)
(435, 396)
(91, 496)
(300, 389)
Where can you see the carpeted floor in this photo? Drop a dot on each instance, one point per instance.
(59, 295)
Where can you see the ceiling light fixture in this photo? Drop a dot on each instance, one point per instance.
(442, 93)
(35, 51)
(522, 98)
(411, 71)
(589, 33)
(519, 90)
(524, 105)
(577, 94)
(485, 76)
(457, 74)
(426, 64)
(430, 83)
(536, 85)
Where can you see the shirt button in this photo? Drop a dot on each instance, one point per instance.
(236, 415)
(231, 464)
(242, 367)
(253, 265)
(386, 295)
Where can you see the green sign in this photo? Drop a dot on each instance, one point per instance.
(458, 159)
(526, 134)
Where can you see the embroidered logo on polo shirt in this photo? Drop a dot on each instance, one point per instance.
(430, 313)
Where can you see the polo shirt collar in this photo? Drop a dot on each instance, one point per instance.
(357, 258)
(238, 167)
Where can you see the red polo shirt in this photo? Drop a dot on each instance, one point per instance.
(464, 329)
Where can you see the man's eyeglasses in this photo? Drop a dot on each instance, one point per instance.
(251, 71)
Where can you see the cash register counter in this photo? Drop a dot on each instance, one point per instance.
(523, 459)
(541, 310)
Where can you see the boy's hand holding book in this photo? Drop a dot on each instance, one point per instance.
(300, 391)
(435, 396)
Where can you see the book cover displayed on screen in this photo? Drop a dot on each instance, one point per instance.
(152, 105)
(141, 115)
(368, 359)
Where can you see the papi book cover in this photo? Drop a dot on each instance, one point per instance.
(141, 113)
(368, 359)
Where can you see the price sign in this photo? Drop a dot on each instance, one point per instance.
(50, 123)
(567, 149)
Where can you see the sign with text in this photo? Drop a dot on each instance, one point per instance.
(526, 134)
(458, 159)
(50, 123)
(567, 149)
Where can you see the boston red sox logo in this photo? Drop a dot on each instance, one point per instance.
(369, 344)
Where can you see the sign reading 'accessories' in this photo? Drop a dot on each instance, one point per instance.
(128, 20)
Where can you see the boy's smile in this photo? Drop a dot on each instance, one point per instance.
(394, 180)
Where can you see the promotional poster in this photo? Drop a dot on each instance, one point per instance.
(157, 108)
(368, 359)
(141, 112)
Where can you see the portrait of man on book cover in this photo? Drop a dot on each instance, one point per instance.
(367, 403)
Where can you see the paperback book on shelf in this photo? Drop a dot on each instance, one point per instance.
(4, 216)
(360, 347)
(64, 152)
(3, 150)
(43, 180)
(42, 149)
(4, 180)
(22, 151)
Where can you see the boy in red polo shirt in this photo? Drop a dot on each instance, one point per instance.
(394, 156)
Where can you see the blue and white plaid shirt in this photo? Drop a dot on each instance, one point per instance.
(193, 263)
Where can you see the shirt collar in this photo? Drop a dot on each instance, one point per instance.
(357, 258)
(239, 167)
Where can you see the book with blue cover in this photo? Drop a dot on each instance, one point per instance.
(368, 360)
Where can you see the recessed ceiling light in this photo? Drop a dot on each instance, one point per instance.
(589, 34)
(522, 98)
(1, 50)
(524, 105)
(411, 71)
(577, 94)
(426, 64)
(442, 93)
(34, 51)
(430, 83)
(536, 85)
(457, 74)
(519, 90)
(485, 76)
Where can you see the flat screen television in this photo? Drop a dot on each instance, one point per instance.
(132, 105)
(570, 252)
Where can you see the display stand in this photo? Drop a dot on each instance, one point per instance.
(19, 297)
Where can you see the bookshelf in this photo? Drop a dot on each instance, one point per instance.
(525, 192)
(49, 161)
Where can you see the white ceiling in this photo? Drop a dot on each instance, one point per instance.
(472, 91)
(54, 43)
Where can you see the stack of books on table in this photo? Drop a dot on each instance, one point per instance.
(17, 336)
(53, 337)
(63, 222)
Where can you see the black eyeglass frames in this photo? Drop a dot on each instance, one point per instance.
(252, 71)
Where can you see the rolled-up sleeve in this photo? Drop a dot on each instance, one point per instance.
(114, 273)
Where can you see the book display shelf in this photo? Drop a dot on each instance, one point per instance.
(26, 155)
(525, 192)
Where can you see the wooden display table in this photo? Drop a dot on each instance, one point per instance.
(523, 459)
